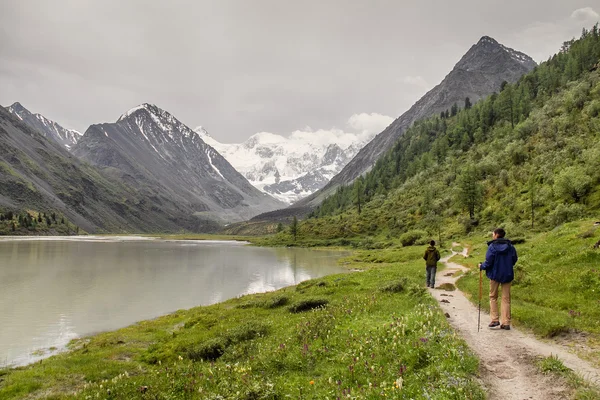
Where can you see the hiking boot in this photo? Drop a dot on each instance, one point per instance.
(494, 324)
(505, 327)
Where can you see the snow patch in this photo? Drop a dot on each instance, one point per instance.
(213, 165)
(131, 111)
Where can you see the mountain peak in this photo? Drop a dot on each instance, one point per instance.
(45, 126)
(201, 131)
(18, 110)
(16, 105)
(488, 40)
(490, 56)
(144, 106)
(149, 113)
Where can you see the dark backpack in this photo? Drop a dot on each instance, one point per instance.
(431, 256)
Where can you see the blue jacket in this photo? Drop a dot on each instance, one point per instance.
(500, 259)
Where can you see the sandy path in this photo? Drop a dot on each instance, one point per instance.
(507, 357)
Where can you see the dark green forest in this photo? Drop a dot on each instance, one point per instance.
(526, 157)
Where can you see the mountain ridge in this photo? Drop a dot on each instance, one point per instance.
(290, 168)
(479, 72)
(153, 151)
(48, 128)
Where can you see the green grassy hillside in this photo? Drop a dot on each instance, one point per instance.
(527, 158)
(370, 334)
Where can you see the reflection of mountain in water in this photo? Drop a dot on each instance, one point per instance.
(99, 286)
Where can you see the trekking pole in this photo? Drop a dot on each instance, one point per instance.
(479, 313)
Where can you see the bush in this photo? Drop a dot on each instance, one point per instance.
(413, 237)
(395, 287)
(566, 213)
(308, 304)
(210, 350)
(247, 331)
(277, 301)
(572, 183)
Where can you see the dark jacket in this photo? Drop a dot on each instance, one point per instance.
(431, 256)
(500, 259)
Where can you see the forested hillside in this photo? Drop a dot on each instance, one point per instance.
(527, 157)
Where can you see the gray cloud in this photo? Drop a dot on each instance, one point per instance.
(240, 67)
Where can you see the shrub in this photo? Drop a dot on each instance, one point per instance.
(413, 237)
(395, 287)
(566, 213)
(277, 301)
(308, 304)
(210, 350)
(247, 331)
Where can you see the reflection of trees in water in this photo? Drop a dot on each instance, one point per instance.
(107, 285)
(310, 260)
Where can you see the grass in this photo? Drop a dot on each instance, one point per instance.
(370, 334)
(556, 289)
(581, 389)
(458, 249)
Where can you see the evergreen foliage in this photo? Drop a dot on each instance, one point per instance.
(531, 151)
(31, 222)
(294, 228)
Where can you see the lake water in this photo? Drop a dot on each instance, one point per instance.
(55, 289)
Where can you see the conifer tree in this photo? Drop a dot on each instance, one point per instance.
(357, 191)
(454, 110)
(294, 228)
(470, 192)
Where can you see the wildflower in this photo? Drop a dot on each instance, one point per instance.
(398, 383)
(312, 382)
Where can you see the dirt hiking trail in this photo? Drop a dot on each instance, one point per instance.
(507, 368)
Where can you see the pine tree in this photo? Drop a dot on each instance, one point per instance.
(468, 103)
(294, 228)
(470, 191)
(357, 192)
(454, 110)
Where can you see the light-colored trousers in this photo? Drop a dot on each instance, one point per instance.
(505, 302)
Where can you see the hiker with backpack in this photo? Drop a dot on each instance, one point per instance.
(431, 257)
(499, 263)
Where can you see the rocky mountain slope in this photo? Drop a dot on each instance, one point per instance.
(41, 175)
(291, 168)
(152, 151)
(48, 128)
(479, 73)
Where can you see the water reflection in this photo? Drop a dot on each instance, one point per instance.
(53, 291)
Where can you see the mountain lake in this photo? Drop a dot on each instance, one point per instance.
(54, 289)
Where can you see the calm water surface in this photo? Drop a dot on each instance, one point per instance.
(55, 289)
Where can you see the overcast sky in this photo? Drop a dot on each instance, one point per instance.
(246, 66)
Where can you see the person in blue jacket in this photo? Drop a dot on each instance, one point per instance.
(499, 263)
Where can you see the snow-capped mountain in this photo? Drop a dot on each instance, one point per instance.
(294, 167)
(154, 152)
(50, 129)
